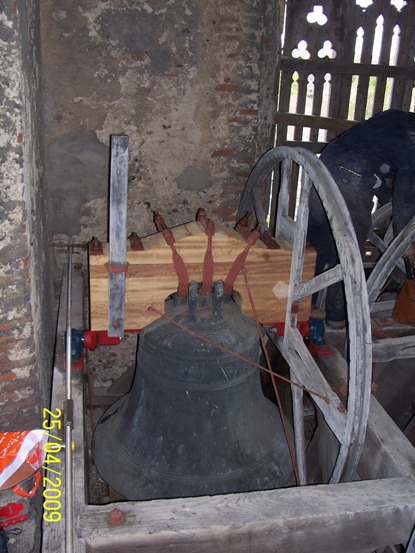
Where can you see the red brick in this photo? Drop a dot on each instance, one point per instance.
(28, 419)
(7, 398)
(7, 280)
(7, 376)
(16, 406)
(18, 250)
(247, 161)
(18, 363)
(18, 384)
(21, 321)
(248, 111)
(224, 87)
(5, 346)
(234, 120)
(21, 342)
(7, 337)
(229, 19)
(225, 212)
(233, 188)
(225, 153)
(16, 300)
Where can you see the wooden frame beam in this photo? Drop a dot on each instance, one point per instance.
(354, 517)
(357, 516)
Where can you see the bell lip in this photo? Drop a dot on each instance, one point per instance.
(267, 460)
(278, 473)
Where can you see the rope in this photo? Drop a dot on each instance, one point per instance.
(178, 263)
(204, 339)
(273, 380)
(239, 262)
(208, 260)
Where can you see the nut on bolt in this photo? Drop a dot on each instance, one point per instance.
(295, 308)
(116, 517)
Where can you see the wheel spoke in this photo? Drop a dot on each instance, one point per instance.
(389, 260)
(381, 214)
(306, 371)
(382, 246)
(300, 447)
(317, 283)
(284, 224)
(348, 424)
(385, 350)
(259, 211)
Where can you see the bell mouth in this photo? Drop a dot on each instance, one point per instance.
(195, 421)
(135, 476)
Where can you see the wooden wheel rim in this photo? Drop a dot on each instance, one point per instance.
(349, 425)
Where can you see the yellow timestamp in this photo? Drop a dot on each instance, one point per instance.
(52, 479)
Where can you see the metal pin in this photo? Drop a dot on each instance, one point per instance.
(348, 170)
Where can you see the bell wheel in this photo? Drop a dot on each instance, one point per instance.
(389, 264)
(277, 196)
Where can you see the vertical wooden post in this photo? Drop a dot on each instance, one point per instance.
(117, 266)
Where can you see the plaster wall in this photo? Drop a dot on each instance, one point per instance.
(187, 81)
(191, 83)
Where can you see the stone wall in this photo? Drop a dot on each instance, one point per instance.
(192, 83)
(185, 80)
(26, 319)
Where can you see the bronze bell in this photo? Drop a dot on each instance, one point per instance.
(195, 421)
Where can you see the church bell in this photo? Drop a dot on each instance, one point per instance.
(195, 421)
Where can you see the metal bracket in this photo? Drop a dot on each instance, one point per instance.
(116, 268)
(117, 265)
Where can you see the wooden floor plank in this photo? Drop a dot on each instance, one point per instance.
(352, 517)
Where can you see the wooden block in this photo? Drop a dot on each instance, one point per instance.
(151, 275)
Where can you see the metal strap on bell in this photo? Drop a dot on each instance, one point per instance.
(195, 421)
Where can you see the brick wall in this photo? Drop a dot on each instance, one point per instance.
(26, 331)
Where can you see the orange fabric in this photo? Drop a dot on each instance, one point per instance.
(21, 456)
(404, 308)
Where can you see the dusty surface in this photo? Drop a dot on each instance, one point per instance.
(184, 80)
